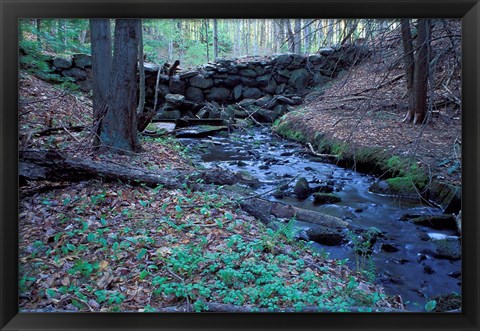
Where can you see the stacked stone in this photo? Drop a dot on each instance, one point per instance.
(272, 83)
(78, 67)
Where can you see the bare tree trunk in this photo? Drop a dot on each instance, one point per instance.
(298, 36)
(255, 36)
(274, 32)
(308, 37)
(61, 32)
(39, 27)
(247, 36)
(420, 76)
(101, 64)
(330, 30)
(409, 62)
(141, 70)
(291, 37)
(320, 34)
(348, 36)
(237, 42)
(205, 22)
(215, 38)
(118, 129)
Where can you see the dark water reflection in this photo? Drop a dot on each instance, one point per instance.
(273, 160)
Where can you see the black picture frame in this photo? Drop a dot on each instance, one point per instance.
(11, 11)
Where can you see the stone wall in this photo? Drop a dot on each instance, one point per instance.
(271, 83)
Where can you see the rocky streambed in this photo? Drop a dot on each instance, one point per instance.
(413, 249)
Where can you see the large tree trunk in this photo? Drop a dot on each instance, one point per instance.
(118, 128)
(409, 63)
(101, 63)
(420, 76)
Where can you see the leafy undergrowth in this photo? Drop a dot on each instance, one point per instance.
(95, 246)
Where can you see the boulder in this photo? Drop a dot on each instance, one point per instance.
(323, 189)
(160, 128)
(380, 187)
(262, 81)
(62, 62)
(302, 189)
(203, 113)
(194, 94)
(389, 248)
(201, 82)
(199, 131)
(271, 87)
(280, 88)
(299, 79)
(252, 93)
(283, 76)
(297, 61)
(228, 113)
(260, 70)
(326, 51)
(163, 90)
(231, 81)
(325, 236)
(248, 81)
(167, 115)
(262, 102)
(436, 221)
(150, 68)
(248, 73)
(237, 91)
(82, 60)
(187, 74)
(85, 85)
(245, 103)
(318, 79)
(174, 100)
(210, 67)
(268, 115)
(448, 249)
(75, 73)
(283, 60)
(219, 94)
(176, 86)
(315, 58)
(325, 198)
(280, 110)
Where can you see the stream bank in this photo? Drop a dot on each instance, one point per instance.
(404, 256)
(399, 175)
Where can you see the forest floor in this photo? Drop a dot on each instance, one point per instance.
(111, 246)
(365, 108)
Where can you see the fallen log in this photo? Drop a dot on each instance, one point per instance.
(51, 165)
(56, 130)
(263, 210)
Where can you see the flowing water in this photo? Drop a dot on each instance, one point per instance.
(272, 160)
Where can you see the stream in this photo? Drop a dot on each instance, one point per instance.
(409, 272)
